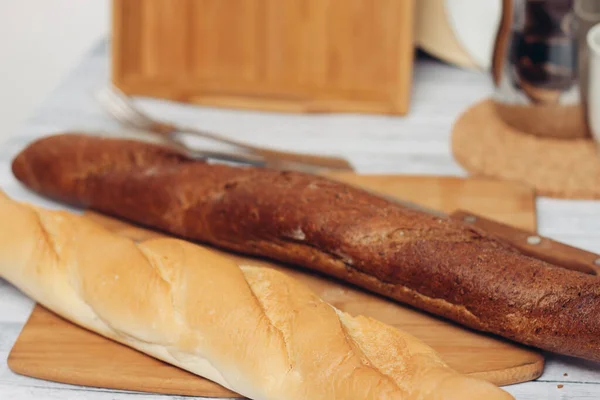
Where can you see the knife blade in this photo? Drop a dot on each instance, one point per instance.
(306, 163)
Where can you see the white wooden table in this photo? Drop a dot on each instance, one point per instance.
(416, 144)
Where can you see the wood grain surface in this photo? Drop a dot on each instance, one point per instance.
(53, 349)
(293, 56)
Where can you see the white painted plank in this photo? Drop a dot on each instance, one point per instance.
(14, 305)
(576, 370)
(66, 392)
(9, 331)
(551, 391)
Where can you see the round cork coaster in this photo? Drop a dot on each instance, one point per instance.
(486, 146)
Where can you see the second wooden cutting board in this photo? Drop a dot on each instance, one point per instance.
(53, 349)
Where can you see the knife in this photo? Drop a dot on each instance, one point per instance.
(306, 163)
(528, 243)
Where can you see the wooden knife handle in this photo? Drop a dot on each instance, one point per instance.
(536, 246)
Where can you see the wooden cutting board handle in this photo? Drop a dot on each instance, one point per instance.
(536, 246)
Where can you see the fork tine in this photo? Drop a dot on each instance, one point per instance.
(118, 103)
(107, 95)
(116, 110)
(125, 113)
(127, 102)
(118, 99)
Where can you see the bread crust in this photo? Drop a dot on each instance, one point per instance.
(439, 265)
(253, 330)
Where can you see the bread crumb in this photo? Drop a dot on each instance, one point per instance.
(345, 258)
(296, 234)
(151, 171)
(565, 374)
(560, 386)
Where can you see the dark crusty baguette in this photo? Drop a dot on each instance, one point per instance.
(438, 265)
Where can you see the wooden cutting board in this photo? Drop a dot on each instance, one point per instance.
(53, 349)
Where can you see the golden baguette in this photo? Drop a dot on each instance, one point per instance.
(253, 330)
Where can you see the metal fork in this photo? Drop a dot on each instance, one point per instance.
(122, 108)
